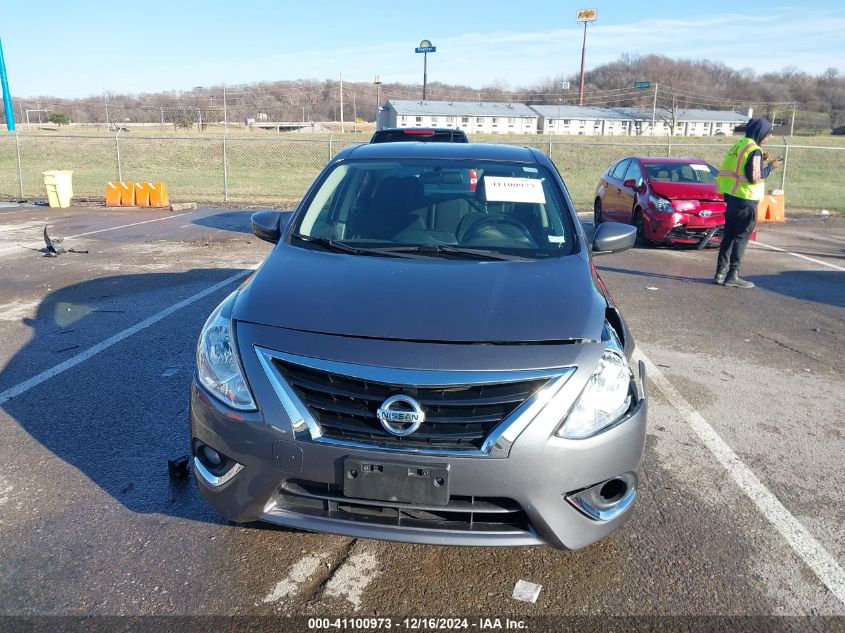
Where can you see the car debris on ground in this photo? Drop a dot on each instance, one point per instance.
(526, 591)
(54, 246)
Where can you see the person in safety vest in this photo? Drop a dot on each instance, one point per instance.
(741, 179)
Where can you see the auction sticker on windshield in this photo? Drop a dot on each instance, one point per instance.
(501, 189)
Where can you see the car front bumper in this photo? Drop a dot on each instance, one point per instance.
(516, 500)
(684, 229)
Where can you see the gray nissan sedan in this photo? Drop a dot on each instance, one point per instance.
(427, 355)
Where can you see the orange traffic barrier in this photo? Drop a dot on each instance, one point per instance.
(120, 194)
(113, 190)
(158, 194)
(142, 194)
(772, 208)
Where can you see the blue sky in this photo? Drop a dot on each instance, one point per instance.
(81, 48)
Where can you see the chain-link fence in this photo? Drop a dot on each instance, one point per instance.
(277, 170)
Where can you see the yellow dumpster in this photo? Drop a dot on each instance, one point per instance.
(59, 183)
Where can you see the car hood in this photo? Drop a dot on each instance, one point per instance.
(426, 299)
(685, 191)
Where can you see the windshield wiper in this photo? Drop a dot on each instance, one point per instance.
(438, 249)
(340, 247)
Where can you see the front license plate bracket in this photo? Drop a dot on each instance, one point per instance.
(419, 484)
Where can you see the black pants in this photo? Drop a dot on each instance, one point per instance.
(740, 220)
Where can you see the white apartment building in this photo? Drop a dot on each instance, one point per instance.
(589, 121)
(473, 117)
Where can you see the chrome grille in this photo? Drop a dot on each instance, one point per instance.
(457, 416)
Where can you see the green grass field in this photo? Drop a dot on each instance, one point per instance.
(264, 167)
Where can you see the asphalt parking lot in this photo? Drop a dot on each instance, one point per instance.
(740, 514)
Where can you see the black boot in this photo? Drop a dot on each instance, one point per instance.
(733, 280)
(719, 279)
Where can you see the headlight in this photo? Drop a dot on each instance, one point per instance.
(662, 204)
(218, 365)
(604, 400)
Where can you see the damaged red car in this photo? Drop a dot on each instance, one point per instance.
(669, 200)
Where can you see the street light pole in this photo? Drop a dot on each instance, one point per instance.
(425, 48)
(583, 58)
(585, 16)
(425, 73)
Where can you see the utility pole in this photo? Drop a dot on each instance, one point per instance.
(106, 99)
(341, 103)
(792, 125)
(654, 110)
(354, 114)
(377, 82)
(586, 16)
(225, 113)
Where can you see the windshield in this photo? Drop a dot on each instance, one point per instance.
(695, 173)
(441, 208)
(419, 134)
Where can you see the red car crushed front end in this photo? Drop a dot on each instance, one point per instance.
(694, 213)
(670, 200)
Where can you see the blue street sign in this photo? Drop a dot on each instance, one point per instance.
(642, 85)
(426, 49)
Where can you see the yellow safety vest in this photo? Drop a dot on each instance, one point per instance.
(731, 178)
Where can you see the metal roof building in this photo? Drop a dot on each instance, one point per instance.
(474, 117)
(586, 121)
(490, 117)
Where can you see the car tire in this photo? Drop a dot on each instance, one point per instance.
(597, 213)
(642, 240)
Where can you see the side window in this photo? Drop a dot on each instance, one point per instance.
(634, 172)
(620, 168)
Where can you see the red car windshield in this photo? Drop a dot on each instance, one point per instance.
(693, 173)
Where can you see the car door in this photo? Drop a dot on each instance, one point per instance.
(628, 195)
(611, 201)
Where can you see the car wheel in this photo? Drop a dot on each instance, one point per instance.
(642, 240)
(596, 212)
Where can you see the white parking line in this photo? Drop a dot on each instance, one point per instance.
(814, 237)
(351, 579)
(11, 249)
(817, 558)
(18, 310)
(300, 572)
(799, 256)
(81, 357)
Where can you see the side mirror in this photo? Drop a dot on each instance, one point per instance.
(630, 184)
(613, 237)
(269, 225)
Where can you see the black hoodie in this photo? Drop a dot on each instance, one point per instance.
(758, 129)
